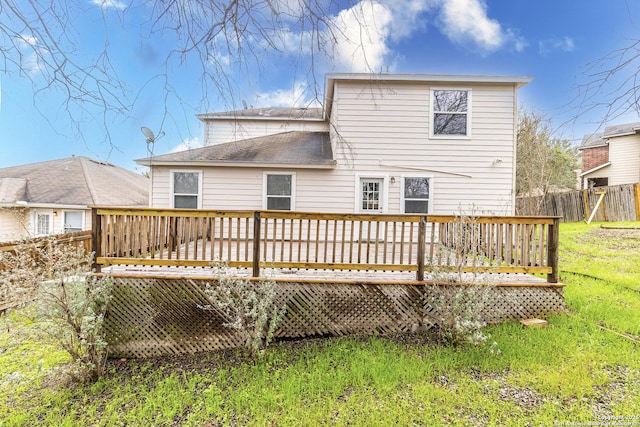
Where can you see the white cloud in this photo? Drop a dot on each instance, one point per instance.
(361, 37)
(31, 54)
(188, 144)
(106, 4)
(294, 97)
(407, 16)
(467, 21)
(564, 44)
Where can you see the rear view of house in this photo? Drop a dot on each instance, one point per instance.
(388, 143)
(611, 157)
(54, 196)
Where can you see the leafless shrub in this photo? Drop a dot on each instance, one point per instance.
(70, 305)
(464, 292)
(249, 307)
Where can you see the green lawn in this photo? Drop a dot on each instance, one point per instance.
(583, 368)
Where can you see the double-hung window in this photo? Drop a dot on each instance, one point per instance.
(279, 191)
(450, 112)
(186, 189)
(415, 194)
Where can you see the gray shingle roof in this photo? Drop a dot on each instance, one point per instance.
(294, 147)
(592, 140)
(284, 113)
(74, 181)
(627, 128)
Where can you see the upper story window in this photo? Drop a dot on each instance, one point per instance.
(279, 191)
(450, 112)
(186, 189)
(415, 196)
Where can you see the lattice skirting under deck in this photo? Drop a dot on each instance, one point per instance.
(152, 317)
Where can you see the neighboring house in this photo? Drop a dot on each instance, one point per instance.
(54, 196)
(611, 157)
(386, 143)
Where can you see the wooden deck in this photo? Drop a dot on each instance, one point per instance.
(328, 276)
(337, 274)
(320, 242)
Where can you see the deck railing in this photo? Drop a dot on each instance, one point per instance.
(325, 241)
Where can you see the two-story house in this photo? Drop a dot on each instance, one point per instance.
(390, 143)
(611, 157)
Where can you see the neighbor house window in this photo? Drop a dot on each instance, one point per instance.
(42, 223)
(450, 112)
(73, 221)
(279, 191)
(186, 189)
(416, 194)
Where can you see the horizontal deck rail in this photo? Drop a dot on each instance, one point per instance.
(325, 241)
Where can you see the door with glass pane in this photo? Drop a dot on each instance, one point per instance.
(371, 195)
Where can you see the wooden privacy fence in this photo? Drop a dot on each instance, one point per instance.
(34, 254)
(324, 241)
(620, 203)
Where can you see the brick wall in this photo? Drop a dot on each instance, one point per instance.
(593, 157)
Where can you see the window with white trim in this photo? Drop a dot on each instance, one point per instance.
(186, 189)
(450, 112)
(415, 195)
(73, 221)
(371, 195)
(42, 223)
(279, 191)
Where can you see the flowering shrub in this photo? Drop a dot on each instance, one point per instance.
(249, 307)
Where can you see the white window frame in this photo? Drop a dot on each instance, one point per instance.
(384, 199)
(432, 112)
(64, 224)
(38, 212)
(265, 196)
(172, 194)
(429, 200)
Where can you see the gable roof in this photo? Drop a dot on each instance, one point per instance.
(302, 149)
(73, 181)
(621, 130)
(592, 140)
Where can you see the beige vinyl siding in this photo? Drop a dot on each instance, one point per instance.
(624, 155)
(221, 130)
(393, 138)
(380, 131)
(10, 226)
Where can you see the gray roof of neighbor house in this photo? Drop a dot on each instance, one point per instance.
(275, 113)
(592, 140)
(619, 130)
(73, 181)
(311, 149)
(601, 139)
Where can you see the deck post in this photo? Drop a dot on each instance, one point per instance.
(422, 236)
(552, 250)
(96, 236)
(256, 244)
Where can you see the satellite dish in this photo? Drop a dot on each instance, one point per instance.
(148, 133)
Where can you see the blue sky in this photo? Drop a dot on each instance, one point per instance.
(552, 41)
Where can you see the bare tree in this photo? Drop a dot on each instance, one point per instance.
(222, 41)
(612, 85)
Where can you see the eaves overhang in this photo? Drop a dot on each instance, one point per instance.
(597, 168)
